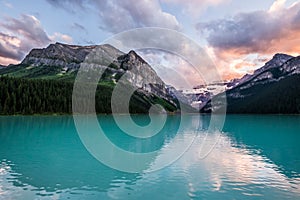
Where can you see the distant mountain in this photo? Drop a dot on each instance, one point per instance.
(61, 62)
(274, 88)
(199, 95)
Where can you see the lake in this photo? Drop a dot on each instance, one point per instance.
(254, 157)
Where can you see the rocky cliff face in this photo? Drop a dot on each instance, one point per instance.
(69, 57)
(63, 55)
(274, 88)
(140, 71)
(62, 61)
(141, 75)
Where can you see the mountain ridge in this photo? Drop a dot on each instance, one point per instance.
(62, 61)
(65, 55)
(278, 59)
(273, 88)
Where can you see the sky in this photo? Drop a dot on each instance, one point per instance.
(239, 36)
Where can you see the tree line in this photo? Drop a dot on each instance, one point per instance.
(24, 96)
(41, 96)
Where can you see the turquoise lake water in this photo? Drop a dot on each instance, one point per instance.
(254, 157)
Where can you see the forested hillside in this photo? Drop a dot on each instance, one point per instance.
(36, 96)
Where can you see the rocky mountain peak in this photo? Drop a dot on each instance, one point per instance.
(64, 55)
(272, 88)
(134, 56)
(62, 61)
(279, 59)
(57, 54)
(282, 56)
(127, 61)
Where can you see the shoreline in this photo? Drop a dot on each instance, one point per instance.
(169, 114)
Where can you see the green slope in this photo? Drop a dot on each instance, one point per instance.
(42, 96)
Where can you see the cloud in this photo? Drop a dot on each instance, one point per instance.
(8, 5)
(28, 27)
(116, 16)
(171, 68)
(170, 41)
(256, 32)
(259, 32)
(78, 27)
(19, 35)
(69, 5)
(194, 7)
(9, 46)
(277, 5)
(61, 37)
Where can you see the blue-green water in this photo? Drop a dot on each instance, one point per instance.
(255, 157)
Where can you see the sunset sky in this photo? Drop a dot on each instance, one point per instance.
(238, 35)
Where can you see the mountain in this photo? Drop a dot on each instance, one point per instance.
(199, 95)
(277, 60)
(273, 88)
(59, 63)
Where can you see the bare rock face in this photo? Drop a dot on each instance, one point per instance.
(141, 75)
(140, 71)
(63, 55)
(69, 58)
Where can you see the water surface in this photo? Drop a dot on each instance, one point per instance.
(255, 157)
